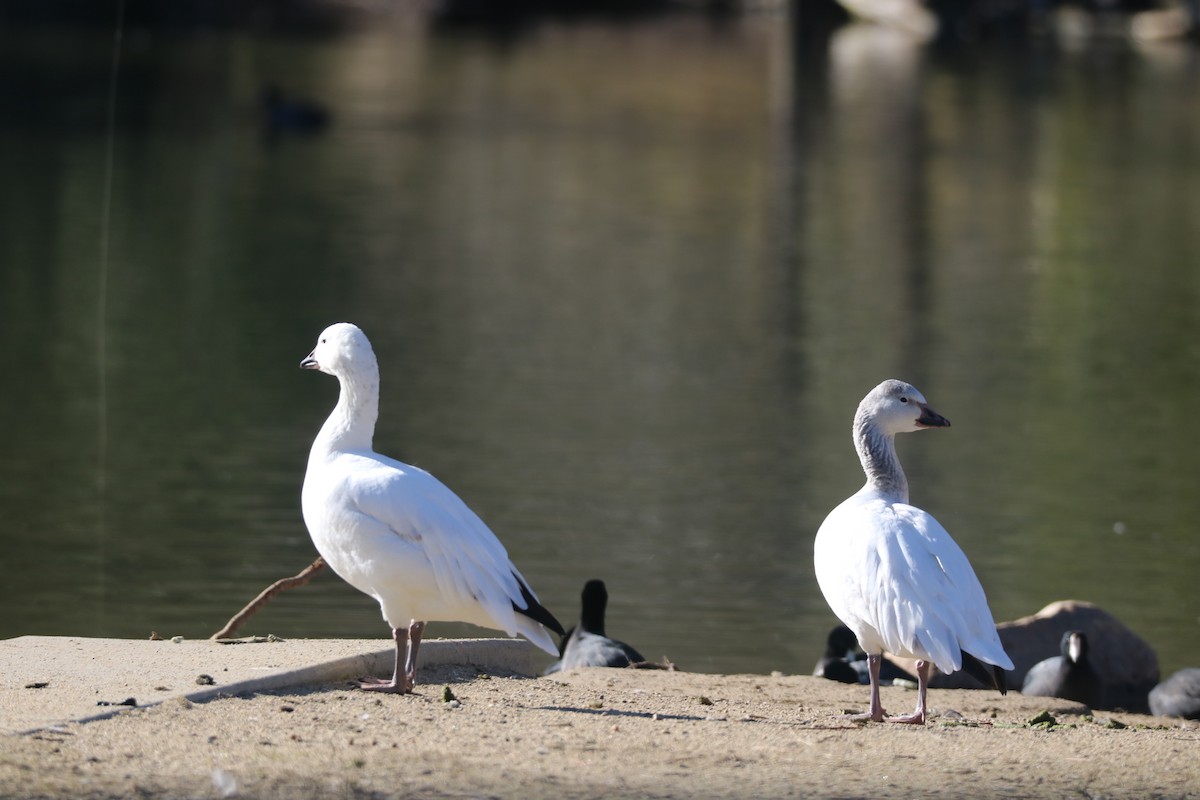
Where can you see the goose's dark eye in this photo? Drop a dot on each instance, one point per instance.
(903, 399)
(323, 341)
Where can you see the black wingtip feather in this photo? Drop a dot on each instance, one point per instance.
(536, 611)
(987, 674)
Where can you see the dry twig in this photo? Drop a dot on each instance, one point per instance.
(301, 578)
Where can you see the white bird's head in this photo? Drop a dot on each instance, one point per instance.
(897, 407)
(342, 350)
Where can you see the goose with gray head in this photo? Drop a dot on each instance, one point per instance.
(397, 533)
(892, 574)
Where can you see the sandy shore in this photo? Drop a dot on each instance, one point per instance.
(602, 733)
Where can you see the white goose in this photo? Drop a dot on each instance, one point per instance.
(892, 573)
(397, 533)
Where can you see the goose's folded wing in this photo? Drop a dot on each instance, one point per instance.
(467, 561)
(931, 596)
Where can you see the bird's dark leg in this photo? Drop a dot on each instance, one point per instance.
(875, 713)
(398, 684)
(918, 716)
(415, 629)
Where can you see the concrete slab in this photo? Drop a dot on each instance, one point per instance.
(49, 680)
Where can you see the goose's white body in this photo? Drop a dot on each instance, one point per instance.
(394, 531)
(888, 569)
(398, 534)
(894, 576)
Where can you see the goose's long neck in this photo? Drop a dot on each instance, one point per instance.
(351, 425)
(877, 452)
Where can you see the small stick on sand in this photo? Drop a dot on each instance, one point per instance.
(303, 577)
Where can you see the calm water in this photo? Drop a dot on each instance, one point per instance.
(627, 285)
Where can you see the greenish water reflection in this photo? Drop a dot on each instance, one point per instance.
(627, 285)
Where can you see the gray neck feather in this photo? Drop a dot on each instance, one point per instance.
(877, 452)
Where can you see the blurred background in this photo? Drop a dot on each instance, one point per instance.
(628, 269)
